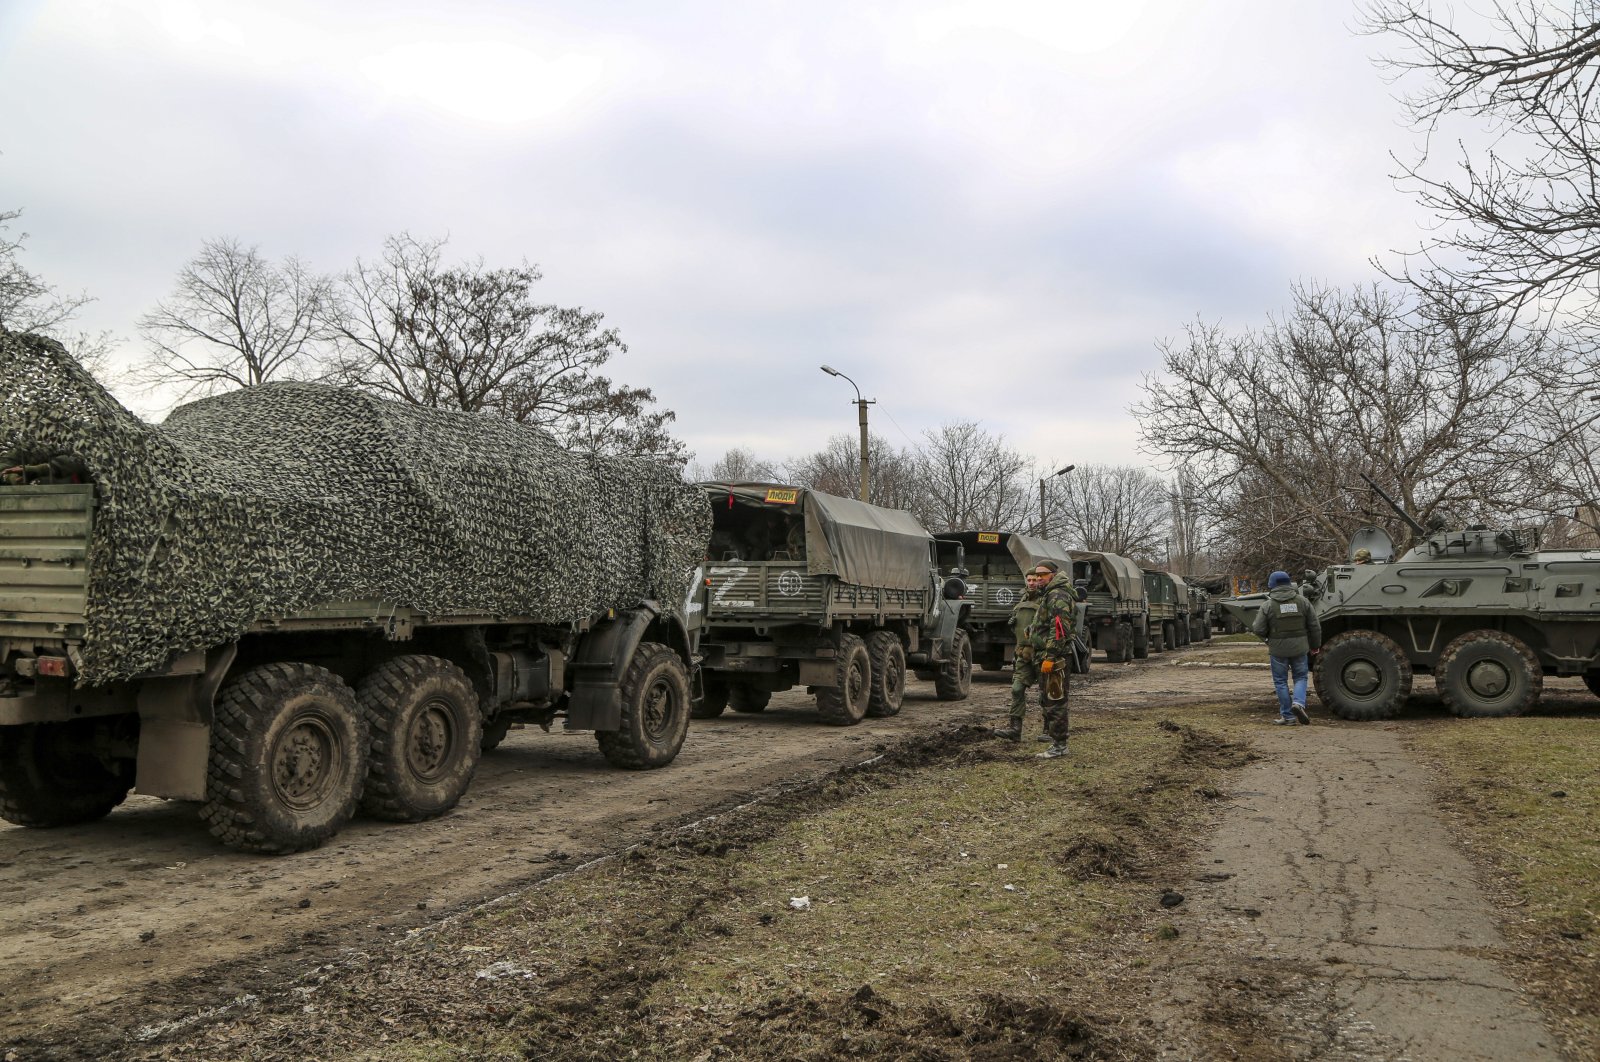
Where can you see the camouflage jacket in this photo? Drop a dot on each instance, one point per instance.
(1050, 635)
(1022, 617)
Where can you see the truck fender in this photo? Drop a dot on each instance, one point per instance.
(951, 615)
(175, 728)
(602, 658)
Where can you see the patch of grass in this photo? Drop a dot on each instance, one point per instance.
(1242, 636)
(1526, 797)
(1244, 654)
(911, 943)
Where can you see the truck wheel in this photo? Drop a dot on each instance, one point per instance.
(717, 695)
(494, 732)
(288, 759)
(427, 736)
(1169, 634)
(1125, 642)
(1488, 673)
(50, 776)
(1181, 629)
(748, 699)
(954, 679)
(888, 659)
(1363, 675)
(845, 704)
(1141, 643)
(655, 710)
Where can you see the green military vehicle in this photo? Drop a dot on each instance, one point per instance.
(1484, 611)
(1116, 616)
(991, 565)
(294, 601)
(1170, 610)
(803, 588)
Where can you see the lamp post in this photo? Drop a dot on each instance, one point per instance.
(861, 404)
(1042, 479)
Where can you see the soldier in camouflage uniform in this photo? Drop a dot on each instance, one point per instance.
(1050, 638)
(1024, 671)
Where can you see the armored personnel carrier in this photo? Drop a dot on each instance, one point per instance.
(1484, 611)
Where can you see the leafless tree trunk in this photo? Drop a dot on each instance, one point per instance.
(1423, 392)
(738, 465)
(972, 480)
(474, 339)
(836, 469)
(1120, 509)
(233, 320)
(1520, 219)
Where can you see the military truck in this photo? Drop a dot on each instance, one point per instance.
(1484, 611)
(293, 601)
(1116, 619)
(991, 565)
(1199, 614)
(803, 588)
(1170, 619)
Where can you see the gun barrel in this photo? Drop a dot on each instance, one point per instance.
(1407, 517)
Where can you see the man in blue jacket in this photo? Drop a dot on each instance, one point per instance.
(1292, 632)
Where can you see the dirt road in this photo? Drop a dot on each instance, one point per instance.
(115, 921)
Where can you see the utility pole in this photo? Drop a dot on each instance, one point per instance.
(1042, 479)
(861, 405)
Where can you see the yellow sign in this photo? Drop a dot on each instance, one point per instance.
(988, 536)
(783, 497)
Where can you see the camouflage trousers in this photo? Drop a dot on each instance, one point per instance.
(1025, 674)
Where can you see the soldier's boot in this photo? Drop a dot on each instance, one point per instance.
(1013, 732)
(1056, 749)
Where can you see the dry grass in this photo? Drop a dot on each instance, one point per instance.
(912, 944)
(1525, 795)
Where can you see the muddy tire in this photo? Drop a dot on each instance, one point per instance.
(888, 689)
(1362, 675)
(1124, 642)
(655, 710)
(1181, 630)
(1488, 673)
(1141, 643)
(715, 700)
(845, 703)
(494, 732)
(1592, 680)
(748, 699)
(953, 680)
(50, 775)
(288, 759)
(427, 736)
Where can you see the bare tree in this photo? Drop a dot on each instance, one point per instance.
(1521, 218)
(234, 319)
(836, 469)
(973, 480)
(29, 304)
(1422, 391)
(1118, 509)
(738, 465)
(473, 338)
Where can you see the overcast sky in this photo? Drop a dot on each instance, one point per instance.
(987, 210)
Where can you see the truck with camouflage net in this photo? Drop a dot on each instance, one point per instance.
(803, 588)
(294, 602)
(1116, 620)
(1170, 619)
(991, 567)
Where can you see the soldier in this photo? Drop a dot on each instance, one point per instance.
(1050, 637)
(1363, 556)
(1024, 669)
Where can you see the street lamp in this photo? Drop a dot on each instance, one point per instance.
(1053, 475)
(861, 404)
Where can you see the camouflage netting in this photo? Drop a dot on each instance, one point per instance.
(267, 501)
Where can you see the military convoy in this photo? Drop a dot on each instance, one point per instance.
(1117, 619)
(991, 565)
(1484, 611)
(804, 588)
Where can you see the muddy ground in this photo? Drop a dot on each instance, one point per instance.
(1310, 939)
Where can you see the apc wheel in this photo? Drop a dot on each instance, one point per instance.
(1489, 673)
(845, 702)
(1592, 680)
(50, 775)
(1363, 675)
(888, 658)
(288, 759)
(1141, 643)
(427, 736)
(717, 695)
(748, 699)
(953, 680)
(655, 710)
